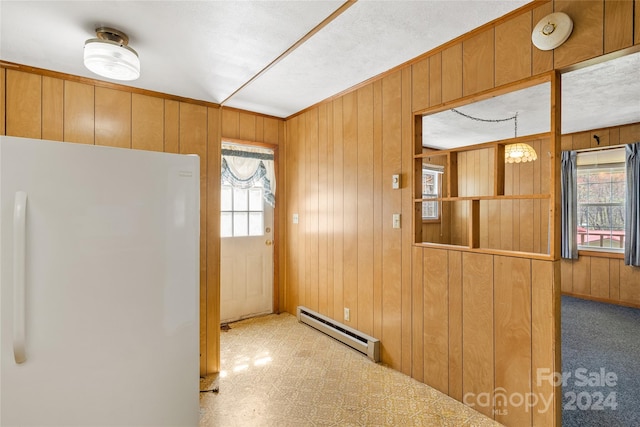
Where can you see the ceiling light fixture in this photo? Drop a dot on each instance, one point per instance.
(519, 153)
(109, 56)
(552, 30)
(513, 153)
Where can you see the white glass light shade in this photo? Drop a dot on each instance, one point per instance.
(519, 153)
(111, 59)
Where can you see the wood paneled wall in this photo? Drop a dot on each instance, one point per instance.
(602, 277)
(67, 109)
(423, 303)
(344, 251)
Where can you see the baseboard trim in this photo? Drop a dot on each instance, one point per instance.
(604, 300)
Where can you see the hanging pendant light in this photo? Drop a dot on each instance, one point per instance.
(519, 153)
(109, 56)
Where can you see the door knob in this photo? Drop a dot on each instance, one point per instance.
(268, 243)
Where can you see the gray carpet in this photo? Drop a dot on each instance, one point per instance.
(597, 337)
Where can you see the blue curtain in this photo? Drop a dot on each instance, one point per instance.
(632, 210)
(568, 178)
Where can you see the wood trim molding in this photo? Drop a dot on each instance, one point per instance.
(604, 300)
(598, 254)
(100, 83)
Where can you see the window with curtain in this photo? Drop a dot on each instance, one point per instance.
(248, 181)
(600, 190)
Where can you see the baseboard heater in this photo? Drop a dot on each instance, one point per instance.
(363, 343)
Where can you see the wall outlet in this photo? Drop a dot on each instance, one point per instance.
(295, 218)
(346, 314)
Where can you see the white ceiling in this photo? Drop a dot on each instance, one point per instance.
(594, 97)
(208, 50)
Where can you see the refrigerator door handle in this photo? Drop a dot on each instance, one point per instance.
(19, 265)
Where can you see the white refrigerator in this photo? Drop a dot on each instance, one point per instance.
(99, 286)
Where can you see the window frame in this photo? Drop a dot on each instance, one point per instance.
(435, 172)
(593, 250)
(248, 211)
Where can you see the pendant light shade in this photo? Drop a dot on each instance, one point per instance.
(109, 56)
(519, 153)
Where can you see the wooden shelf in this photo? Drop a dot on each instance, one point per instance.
(507, 197)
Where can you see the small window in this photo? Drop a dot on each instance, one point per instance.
(430, 190)
(242, 211)
(601, 187)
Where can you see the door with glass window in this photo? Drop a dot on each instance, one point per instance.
(246, 258)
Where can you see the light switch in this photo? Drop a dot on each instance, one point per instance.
(295, 218)
(395, 182)
(396, 220)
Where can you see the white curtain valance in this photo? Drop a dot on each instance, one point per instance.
(245, 166)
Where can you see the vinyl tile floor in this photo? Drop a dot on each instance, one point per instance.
(276, 371)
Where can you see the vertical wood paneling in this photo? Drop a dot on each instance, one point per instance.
(586, 39)
(417, 310)
(271, 131)
(247, 127)
(365, 208)
(545, 342)
(581, 141)
(113, 118)
(629, 280)
(302, 209)
(79, 108)
(323, 192)
(599, 277)
(541, 60)
(293, 207)
(614, 279)
(147, 123)
(171, 126)
(330, 214)
(391, 238)
(567, 275)
(3, 79)
(618, 25)
(512, 319)
(478, 330)
(629, 134)
(478, 62)
(452, 73)
(513, 40)
(311, 210)
(350, 112)
(436, 319)
(420, 84)
(52, 109)
(455, 324)
(338, 208)
(378, 202)
(230, 123)
(408, 149)
(212, 235)
(23, 104)
(193, 140)
(582, 276)
(435, 79)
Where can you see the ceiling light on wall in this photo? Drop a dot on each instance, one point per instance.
(109, 56)
(519, 153)
(552, 30)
